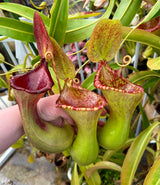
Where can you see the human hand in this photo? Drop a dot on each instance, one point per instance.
(48, 111)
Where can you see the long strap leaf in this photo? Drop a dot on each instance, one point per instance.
(134, 155)
(16, 29)
(23, 11)
(80, 29)
(126, 11)
(58, 23)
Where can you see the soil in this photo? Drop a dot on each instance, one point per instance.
(18, 171)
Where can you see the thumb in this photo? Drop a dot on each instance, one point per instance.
(48, 111)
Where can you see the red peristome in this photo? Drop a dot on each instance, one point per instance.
(44, 44)
(107, 78)
(75, 97)
(36, 81)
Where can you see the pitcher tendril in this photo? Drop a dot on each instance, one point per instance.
(50, 58)
(81, 67)
(126, 61)
(41, 6)
(3, 61)
(77, 51)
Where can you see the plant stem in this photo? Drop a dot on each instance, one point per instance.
(77, 51)
(30, 51)
(3, 61)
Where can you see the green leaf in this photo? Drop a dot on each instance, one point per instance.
(75, 177)
(35, 60)
(134, 155)
(105, 40)
(141, 36)
(152, 177)
(157, 14)
(55, 87)
(152, 12)
(19, 143)
(16, 29)
(1, 58)
(150, 83)
(94, 179)
(126, 11)
(58, 23)
(83, 15)
(64, 66)
(88, 83)
(103, 165)
(154, 63)
(3, 83)
(23, 11)
(141, 76)
(31, 158)
(80, 29)
(145, 120)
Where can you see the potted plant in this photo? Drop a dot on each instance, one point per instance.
(93, 145)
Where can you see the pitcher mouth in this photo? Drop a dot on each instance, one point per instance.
(77, 98)
(109, 79)
(36, 81)
(151, 25)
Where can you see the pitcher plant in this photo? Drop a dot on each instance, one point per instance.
(86, 143)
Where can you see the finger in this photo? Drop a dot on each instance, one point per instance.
(48, 111)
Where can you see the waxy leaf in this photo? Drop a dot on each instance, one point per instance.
(83, 15)
(152, 177)
(126, 11)
(23, 11)
(105, 40)
(1, 58)
(152, 12)
(16, 29)
(3, 83)
(88, 83)
(141, 76)
(134, 155)
(103, 165)
(80, 29)
(19, 143)
(154, 63)
(55, 87)
(59, 18)
(75, 177)
(94, 179)
(141, 36)
(145, 121)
